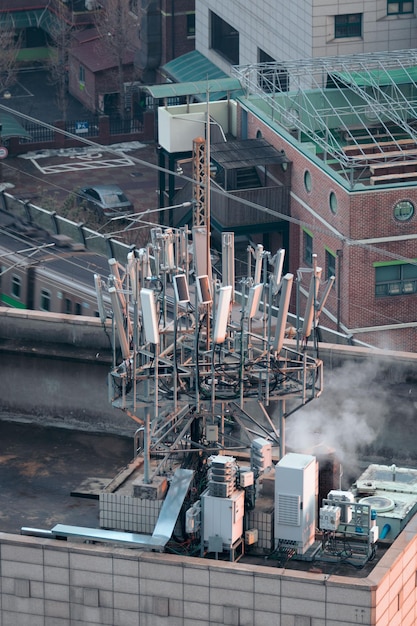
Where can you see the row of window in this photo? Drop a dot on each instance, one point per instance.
(350, 25)
(403, 210)
(45, 298)
(391, 279)
(225, 38)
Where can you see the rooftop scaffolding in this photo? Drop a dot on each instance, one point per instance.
(355, 109)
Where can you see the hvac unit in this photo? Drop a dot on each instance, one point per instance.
(296, 485)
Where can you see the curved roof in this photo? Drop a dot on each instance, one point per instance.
(10, 127)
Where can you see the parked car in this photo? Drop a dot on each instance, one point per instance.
(106, 199)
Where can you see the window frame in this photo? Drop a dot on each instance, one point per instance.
(347, 29)
(190, 25)
(400, 279)
(403, 211)
(274, 78)
(45, 297)
(16, 287)
(221, 34)
(401, 4)
(331, 258)
(307, 247)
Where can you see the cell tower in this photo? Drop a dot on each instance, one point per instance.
(195, 357)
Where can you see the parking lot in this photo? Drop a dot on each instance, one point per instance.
(47, 178)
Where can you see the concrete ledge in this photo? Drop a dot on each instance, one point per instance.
(56, 328)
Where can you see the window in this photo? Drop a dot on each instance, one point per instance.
(274, 77)
(396, 8)
(224, 39)
(190, 24)
(45, 300)
(348, 25)
(78, 309)
(403, 211)
(68, 306)
(330, 264)
(307, 180)
(308, 248)
(396, 279)
(333, 202)
(81, 74)
(16, 286)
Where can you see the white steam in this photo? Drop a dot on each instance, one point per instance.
(349, 414)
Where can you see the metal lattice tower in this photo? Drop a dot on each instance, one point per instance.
(200, 176)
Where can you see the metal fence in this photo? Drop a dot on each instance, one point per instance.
(87, 127)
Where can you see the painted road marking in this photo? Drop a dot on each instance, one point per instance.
(77, 166)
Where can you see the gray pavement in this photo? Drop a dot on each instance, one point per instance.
(41, 467)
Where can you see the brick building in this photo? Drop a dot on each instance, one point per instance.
(346, 128)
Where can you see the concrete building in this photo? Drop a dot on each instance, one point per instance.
(236, 33)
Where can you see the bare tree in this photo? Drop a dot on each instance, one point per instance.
(60, 33)
(9, 46)
(118, 31)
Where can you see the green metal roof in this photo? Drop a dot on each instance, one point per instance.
(193, 74)
(38, 18)
(381, 77)
(11, 127)
(212, 87)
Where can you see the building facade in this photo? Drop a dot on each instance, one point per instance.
(236, 33)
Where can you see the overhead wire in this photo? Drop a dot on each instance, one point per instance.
(319, 229)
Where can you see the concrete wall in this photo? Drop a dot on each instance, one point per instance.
(46, 582)
(53, 370)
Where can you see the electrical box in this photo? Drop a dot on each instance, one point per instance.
(343, 499)
(329, 517)
(295, 501)
(212, 432)
(373, 534)
(261, 454)
(251, 536)
(223, 517)
(246, 479)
